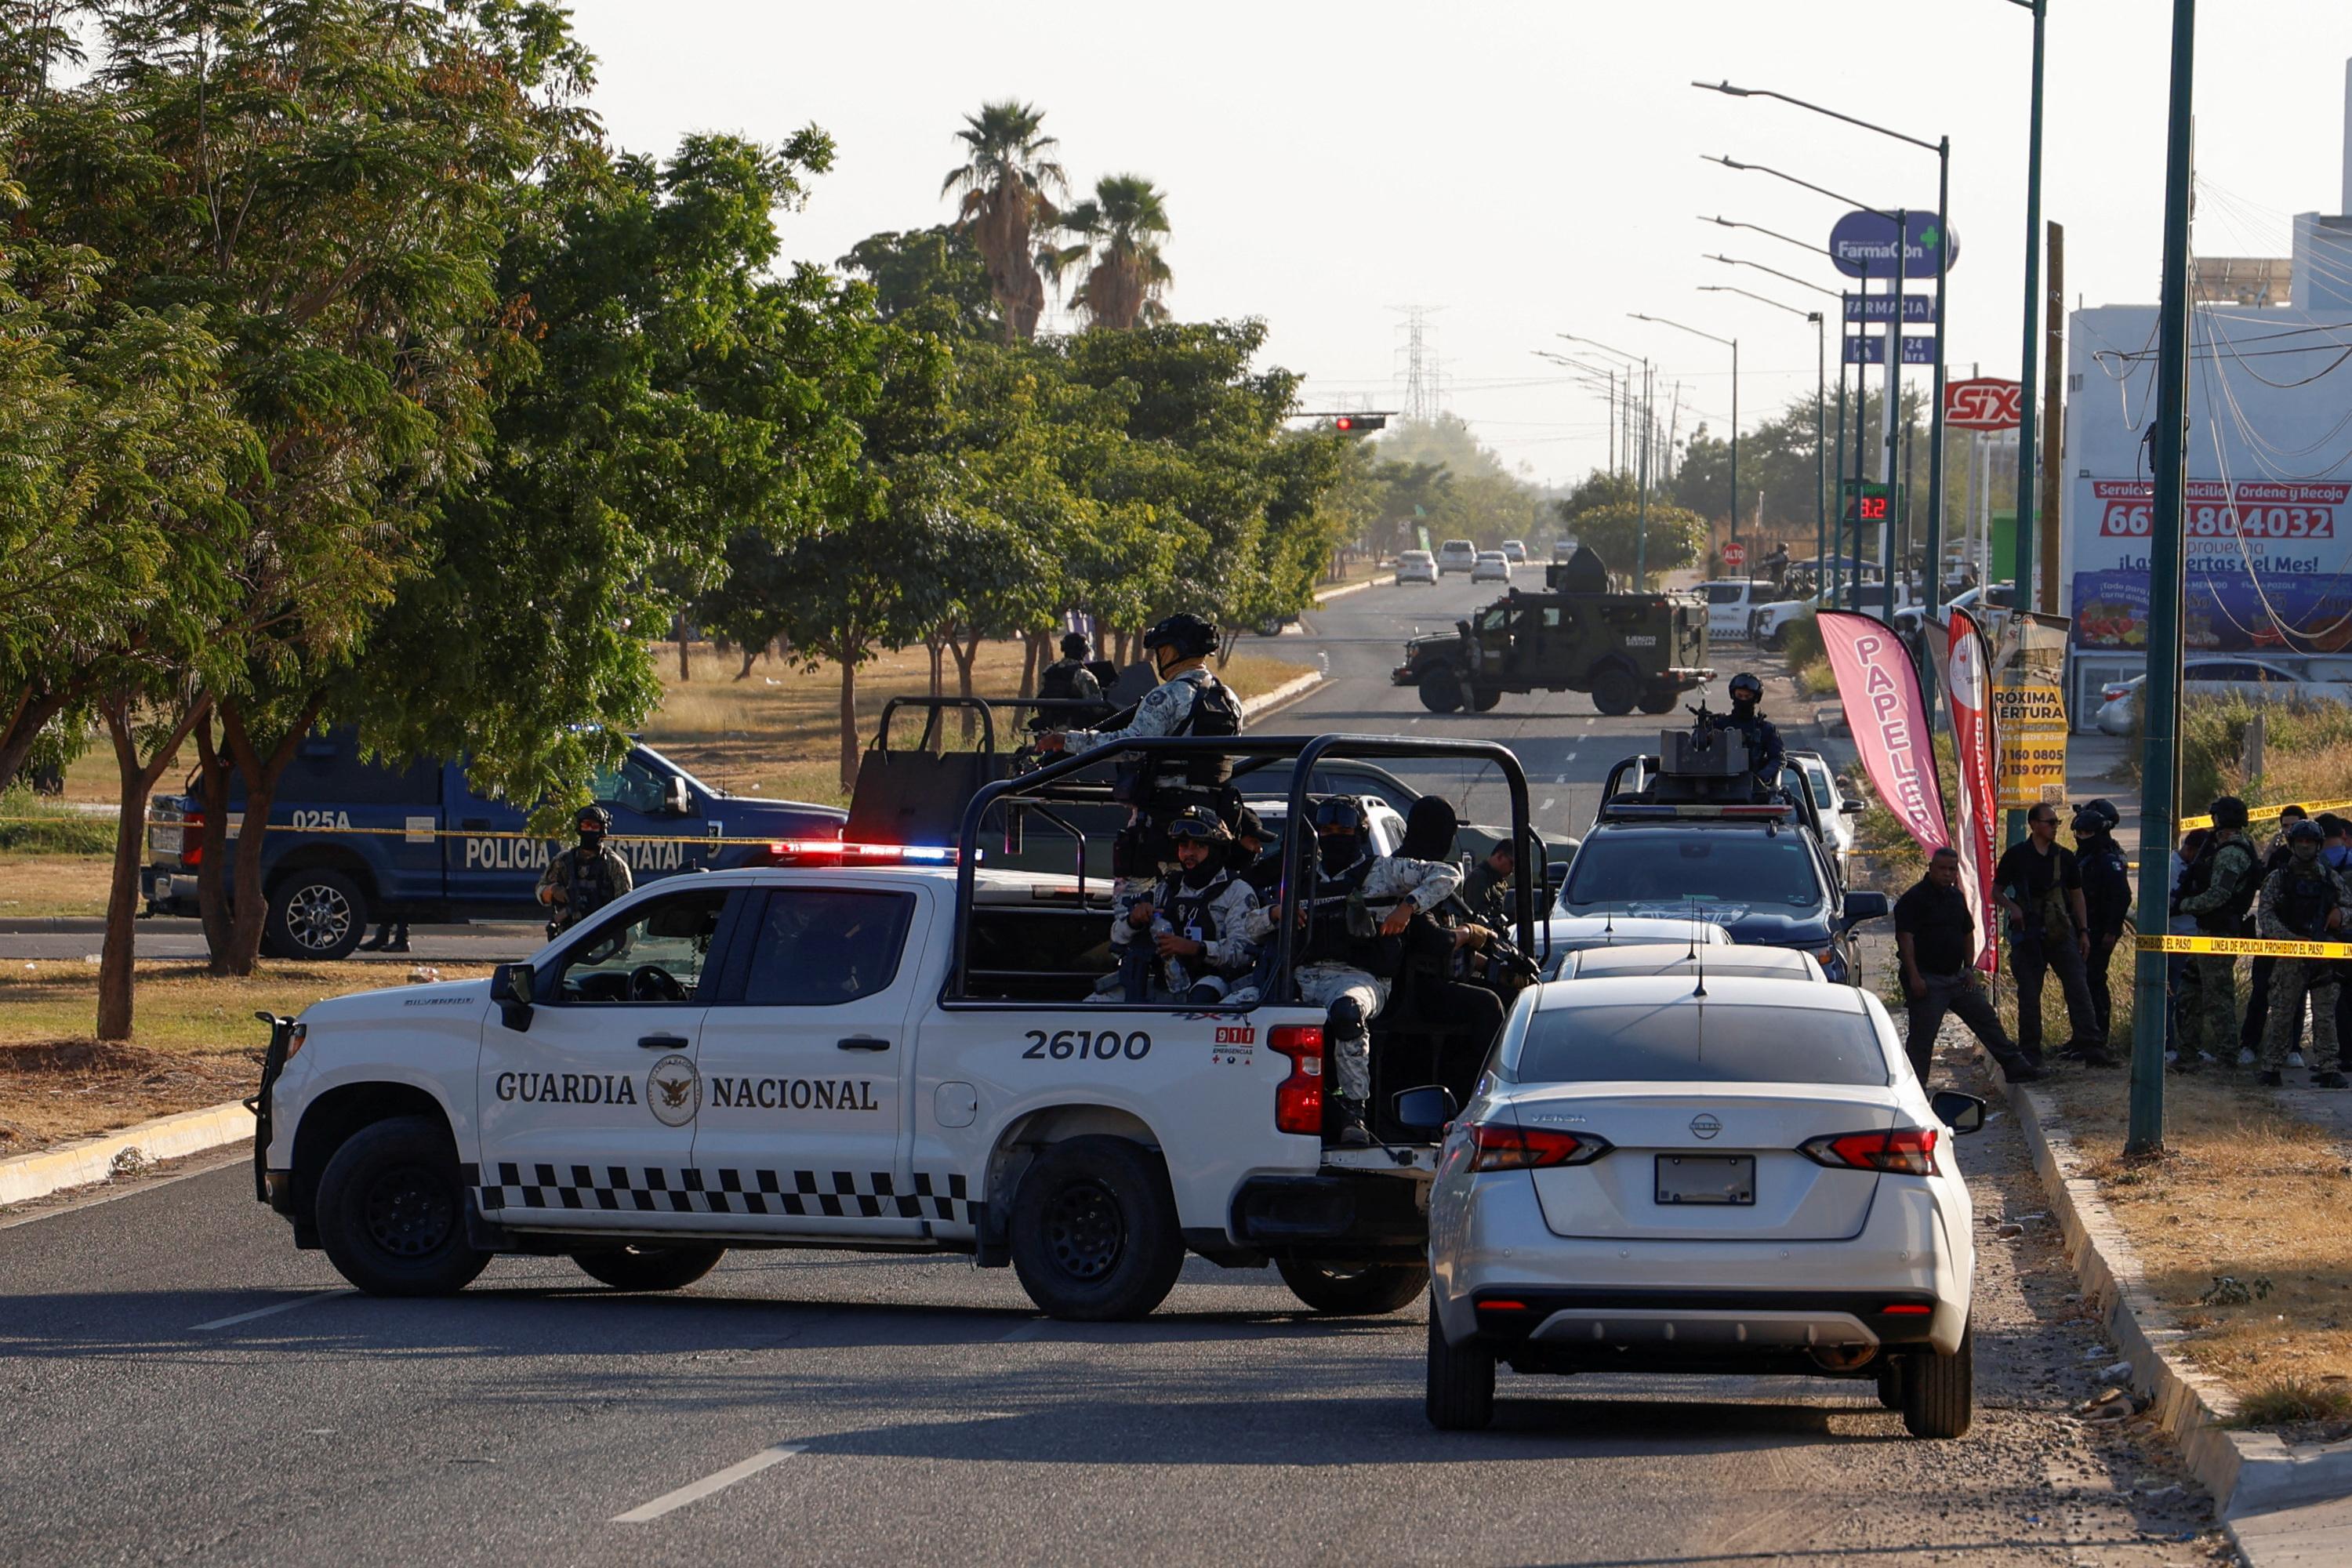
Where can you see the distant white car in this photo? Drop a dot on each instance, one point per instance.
(1730, 602)
(1515, 551)
(1416, 566)
(2218, 677)
(1660, 1175)
(1458, 555)
(1491, 566)
(1837, 810)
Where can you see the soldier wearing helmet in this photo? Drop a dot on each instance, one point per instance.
(2302, 901)
(2106, 901)
(1183, 940)
(587, 877)
(2216, 888)
(1188, 699)
(1765, 751)
(1069, 680)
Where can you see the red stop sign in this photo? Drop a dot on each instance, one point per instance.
(1735, 555)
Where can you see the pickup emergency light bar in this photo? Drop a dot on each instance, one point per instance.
(836, 852)
(1638, 809)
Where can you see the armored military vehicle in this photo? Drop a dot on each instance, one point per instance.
(1627, 650)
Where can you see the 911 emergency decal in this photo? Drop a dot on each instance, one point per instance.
(1083, 1044)
(673, 1090)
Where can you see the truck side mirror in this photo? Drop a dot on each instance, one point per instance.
(674, 796)
(510, 988)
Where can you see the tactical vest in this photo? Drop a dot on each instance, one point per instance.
(1190, 909)
(2225, 920)
(2310, 894)
(1215, 712)
(1332, 935)
(1060, 681)
(589, 886)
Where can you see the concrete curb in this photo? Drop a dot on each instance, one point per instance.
(101, 1159)
(1325, 595)
(1281, 696)
(2253, 1476)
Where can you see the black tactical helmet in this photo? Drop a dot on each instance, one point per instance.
(2305, 832)
(1747, 682)
(1339, 814)
(1200, 823)
(2096, 816)
(1188, 635)
(1075, 645)
(1247, 825)
(593, 819)
(2228, 810)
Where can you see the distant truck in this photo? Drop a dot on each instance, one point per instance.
(1627, 650)
(364, 842)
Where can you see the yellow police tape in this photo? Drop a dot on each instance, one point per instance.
(2250, 946)
(419, 835)
(2269, 813)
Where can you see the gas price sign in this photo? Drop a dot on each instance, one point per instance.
(1870, 503)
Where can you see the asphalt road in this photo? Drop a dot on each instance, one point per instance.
(180, 1382)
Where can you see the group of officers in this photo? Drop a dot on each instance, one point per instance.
(2065, 914)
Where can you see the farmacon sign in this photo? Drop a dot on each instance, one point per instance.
(2256, 552)
(2029, 725)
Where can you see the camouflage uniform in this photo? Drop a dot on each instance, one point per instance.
(575, 872)
(2297, 900)
(2211, 1027)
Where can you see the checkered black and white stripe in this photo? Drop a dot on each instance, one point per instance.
(654, 1189)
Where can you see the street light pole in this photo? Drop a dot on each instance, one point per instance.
(1733, 344)
(2158, 756)
(2029, 376)
(1821, 429)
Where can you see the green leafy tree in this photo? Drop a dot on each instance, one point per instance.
(1005, 188)
(1119, 230)
(931, 280)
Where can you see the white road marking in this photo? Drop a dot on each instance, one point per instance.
(1028, 1330)
(1571, 756)
(1559, 778)
(302, 1300)
(1546, 804)
(670, 1502)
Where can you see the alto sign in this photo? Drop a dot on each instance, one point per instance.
(1985, 403)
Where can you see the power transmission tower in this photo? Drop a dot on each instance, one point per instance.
(1424, 395)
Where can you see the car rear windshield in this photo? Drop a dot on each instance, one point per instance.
(1686, 1042)
(1713, 864)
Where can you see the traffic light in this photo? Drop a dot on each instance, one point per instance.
(1359, 424)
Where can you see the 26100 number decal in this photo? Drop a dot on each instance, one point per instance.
(1081, 1045)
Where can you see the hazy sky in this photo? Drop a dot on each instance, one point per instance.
(1525, 170)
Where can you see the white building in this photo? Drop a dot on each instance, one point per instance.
(2269, 548)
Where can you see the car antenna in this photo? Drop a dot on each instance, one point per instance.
(1690, 907)
(1696, 953)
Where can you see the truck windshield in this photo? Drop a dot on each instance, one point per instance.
(1705, 864)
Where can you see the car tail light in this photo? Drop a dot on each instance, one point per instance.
(1907, 1309)
(1500, 1146)
(192, 841)
(1901, 1151)
(1298, 1099)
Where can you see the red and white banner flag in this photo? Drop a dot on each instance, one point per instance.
(1884, 709)
(1967, 682)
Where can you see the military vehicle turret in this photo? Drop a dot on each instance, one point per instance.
(1627, 650)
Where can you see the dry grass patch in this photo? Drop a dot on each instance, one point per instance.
(2239, 1227)
(198, 1042)
(33, 885)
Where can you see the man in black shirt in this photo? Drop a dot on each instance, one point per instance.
(2041, 887)
(2106, 898)
(1937, 943)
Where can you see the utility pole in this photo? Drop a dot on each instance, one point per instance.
(2054, 424)
(1890, 423)
(1641, 512)
(1837, 531)
(1932, 590)
(2159, 750)
(2026, 596)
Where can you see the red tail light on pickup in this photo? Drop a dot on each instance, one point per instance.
(1298, 1099)
(1898, 1151)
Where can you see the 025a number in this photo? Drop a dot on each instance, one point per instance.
(1081, 1045)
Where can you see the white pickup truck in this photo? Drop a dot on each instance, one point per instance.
(882, 1050)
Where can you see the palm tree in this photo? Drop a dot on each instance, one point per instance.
(1006, 179)
(1120, 228)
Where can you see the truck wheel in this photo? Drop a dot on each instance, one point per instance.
(1441, 691)
(316, 914)
(1461, 1387)
(391, 1211)
(1095, 1237)
(1658, 700)
(1354, 1290)
(1614, 692)
(1484, 701)
(1939, 1391)
(650, 1267)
